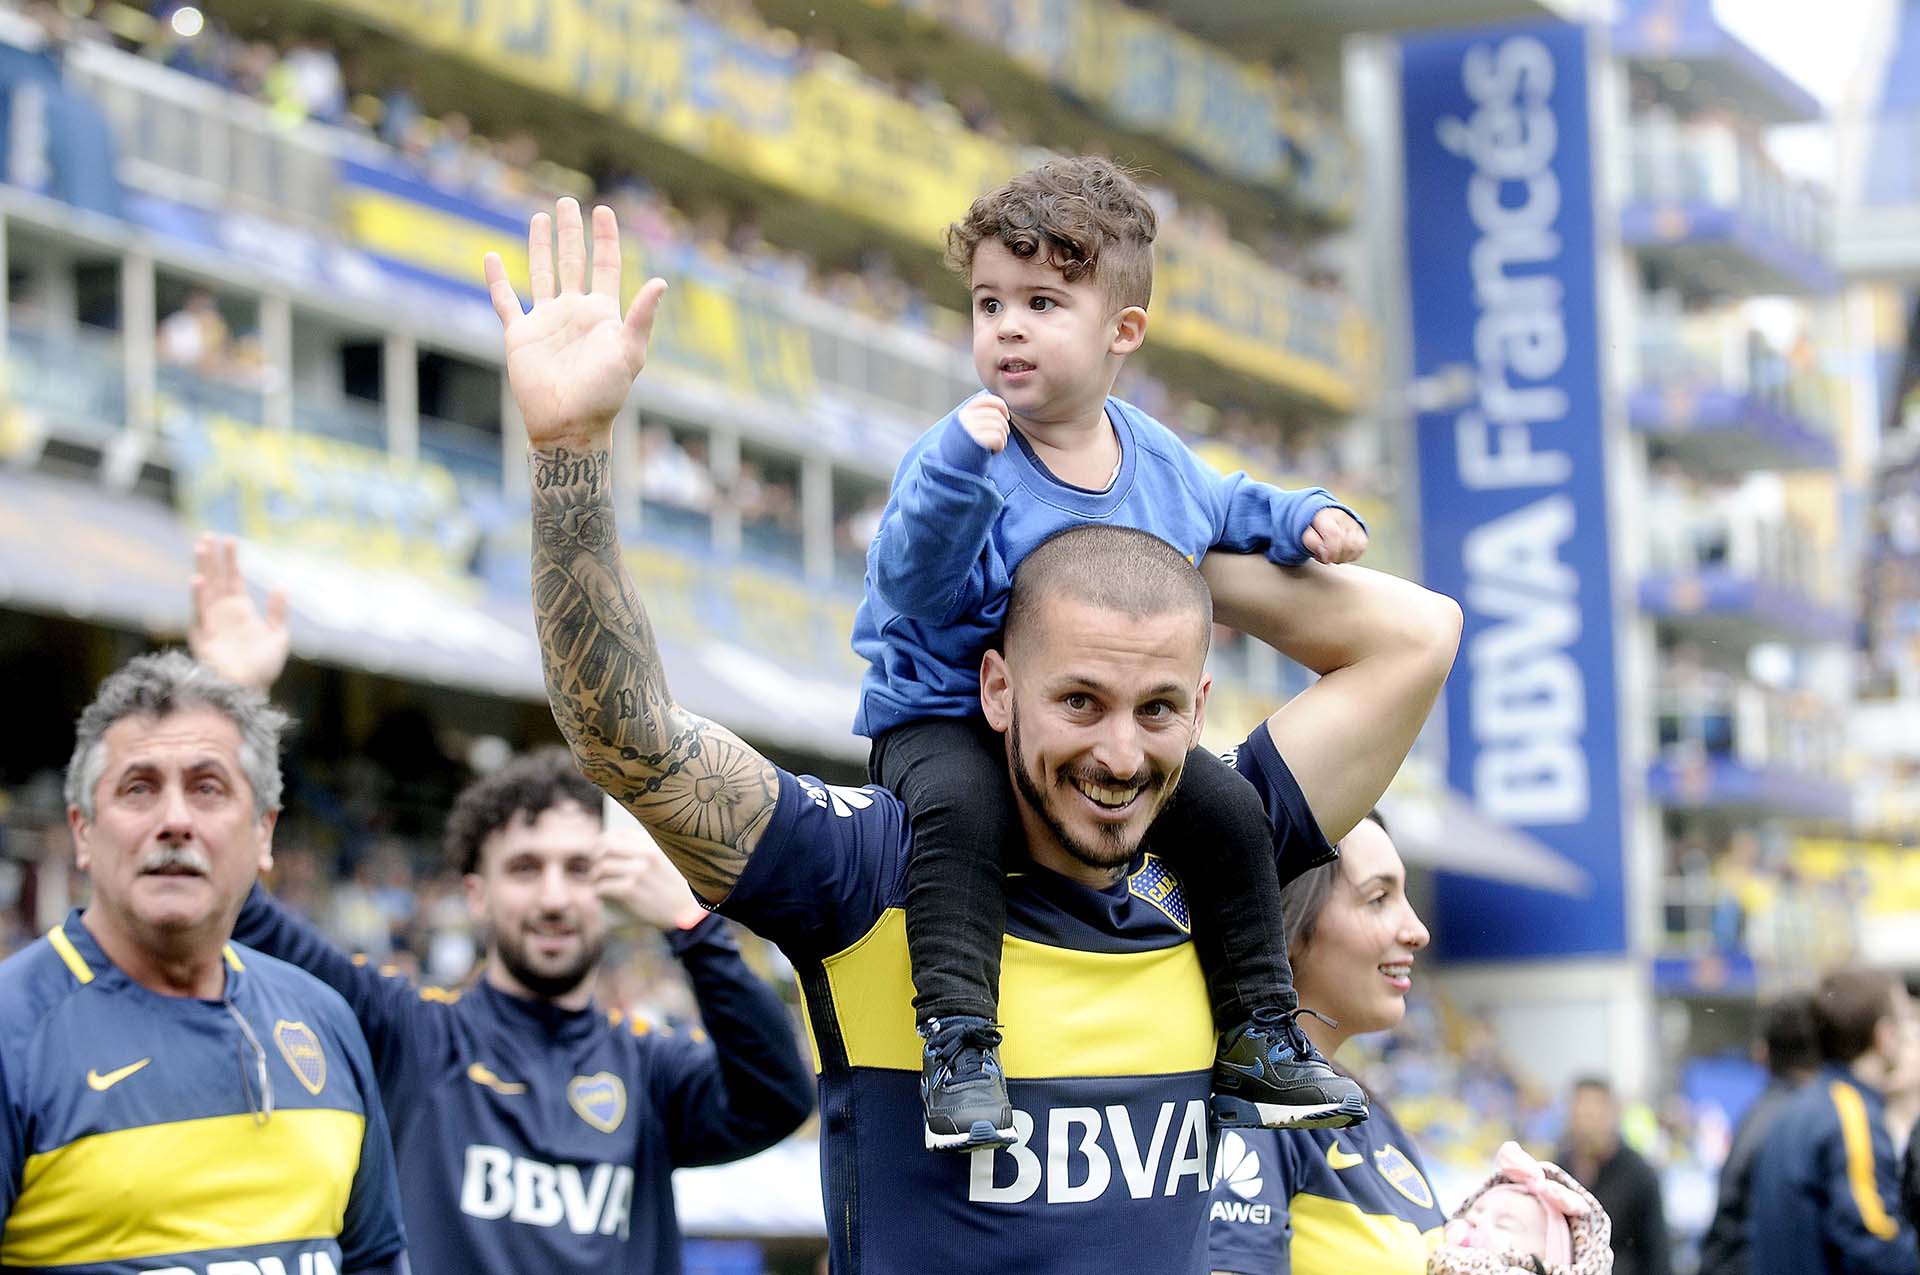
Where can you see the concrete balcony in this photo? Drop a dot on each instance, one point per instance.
(1722, 432)
(1719, 606)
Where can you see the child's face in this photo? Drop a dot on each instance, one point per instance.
(1510, 1222)
(1048, 347)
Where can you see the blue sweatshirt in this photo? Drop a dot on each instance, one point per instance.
(1824, 1196)
(961, 518)
(535, 1138)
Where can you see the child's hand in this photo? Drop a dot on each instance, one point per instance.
(1334, 537)
(985, 419)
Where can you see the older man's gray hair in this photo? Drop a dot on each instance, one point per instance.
(171, 682)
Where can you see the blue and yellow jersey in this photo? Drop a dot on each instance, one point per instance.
(1323, 1202)
(1824, 1195)
(136, 1135)
(1108, 1049)
(533, 1138)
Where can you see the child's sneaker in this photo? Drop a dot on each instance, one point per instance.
(962, 1087)
(1268, 1075)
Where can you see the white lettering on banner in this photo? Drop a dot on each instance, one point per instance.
(498, 1184)
(1082, 1146)
(1528, 697)
(312, 1262)
(1511, 138)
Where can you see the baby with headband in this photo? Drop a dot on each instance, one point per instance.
(1529, 1217)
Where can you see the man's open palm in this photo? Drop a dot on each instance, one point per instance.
(572, 359)
(229, 634)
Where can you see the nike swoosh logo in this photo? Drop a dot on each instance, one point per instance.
(1254, 1072)
(100, 1084)
(1338, 1159)
(480, 1074)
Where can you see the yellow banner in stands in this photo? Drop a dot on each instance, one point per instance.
(320, 494)
(818, 128)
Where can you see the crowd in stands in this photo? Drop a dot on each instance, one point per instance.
(304, 79)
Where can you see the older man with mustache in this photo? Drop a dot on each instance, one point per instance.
(169, 1099)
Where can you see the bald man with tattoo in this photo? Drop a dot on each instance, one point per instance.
(1101, 685)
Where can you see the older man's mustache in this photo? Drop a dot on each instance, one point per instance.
(177, 861)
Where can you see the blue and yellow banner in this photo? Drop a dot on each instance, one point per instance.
(818, 128)
(333, 498)
(422, 233)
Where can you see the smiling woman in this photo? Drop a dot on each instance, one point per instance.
(1336, 1201)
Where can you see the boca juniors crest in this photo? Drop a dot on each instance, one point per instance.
(301, 1048)
(1157, 884)
(599, 1099)
(1401, 1175)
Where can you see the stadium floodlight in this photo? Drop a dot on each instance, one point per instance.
(188, 21)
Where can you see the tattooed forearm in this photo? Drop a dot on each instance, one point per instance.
(703, 793)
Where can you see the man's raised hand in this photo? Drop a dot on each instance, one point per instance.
(639, 881)
(572, 358)
(229, 634)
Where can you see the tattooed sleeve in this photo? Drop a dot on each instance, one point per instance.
(702, 792)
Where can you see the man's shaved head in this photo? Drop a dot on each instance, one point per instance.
(1116, 569)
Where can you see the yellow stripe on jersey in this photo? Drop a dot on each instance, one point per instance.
(1858, 1140)
(1055, 1004)
(1334, 1237)
(220, 1182)
(233, 957)
(69, 953)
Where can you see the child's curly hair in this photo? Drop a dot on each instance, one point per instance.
(1084, 216)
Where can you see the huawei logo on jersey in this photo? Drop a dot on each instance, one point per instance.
(1237, 1168)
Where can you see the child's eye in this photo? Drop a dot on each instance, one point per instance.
(989, 306)
(1041, 303)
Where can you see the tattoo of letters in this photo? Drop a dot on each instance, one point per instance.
(702, 792)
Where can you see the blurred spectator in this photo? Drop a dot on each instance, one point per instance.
(1789, 1048)
(307, 84)
(195, 336)
(1623, 1182)
(399, 112)
(1824, 1195)
(670, 475)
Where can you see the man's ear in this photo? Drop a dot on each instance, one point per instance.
(996, 690)
(1129, 330)
(82, 830)
(267, 823)
(1200, 709)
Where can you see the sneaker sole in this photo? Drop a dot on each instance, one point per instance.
(1239, 1113)
(981, 1134)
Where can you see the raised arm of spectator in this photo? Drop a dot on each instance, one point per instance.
(1382, 647)
(235, 638)
(703, 793)
(229, 633)
(747, 1087)
(926, 561)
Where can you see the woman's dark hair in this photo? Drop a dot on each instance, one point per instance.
(1306, 897)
